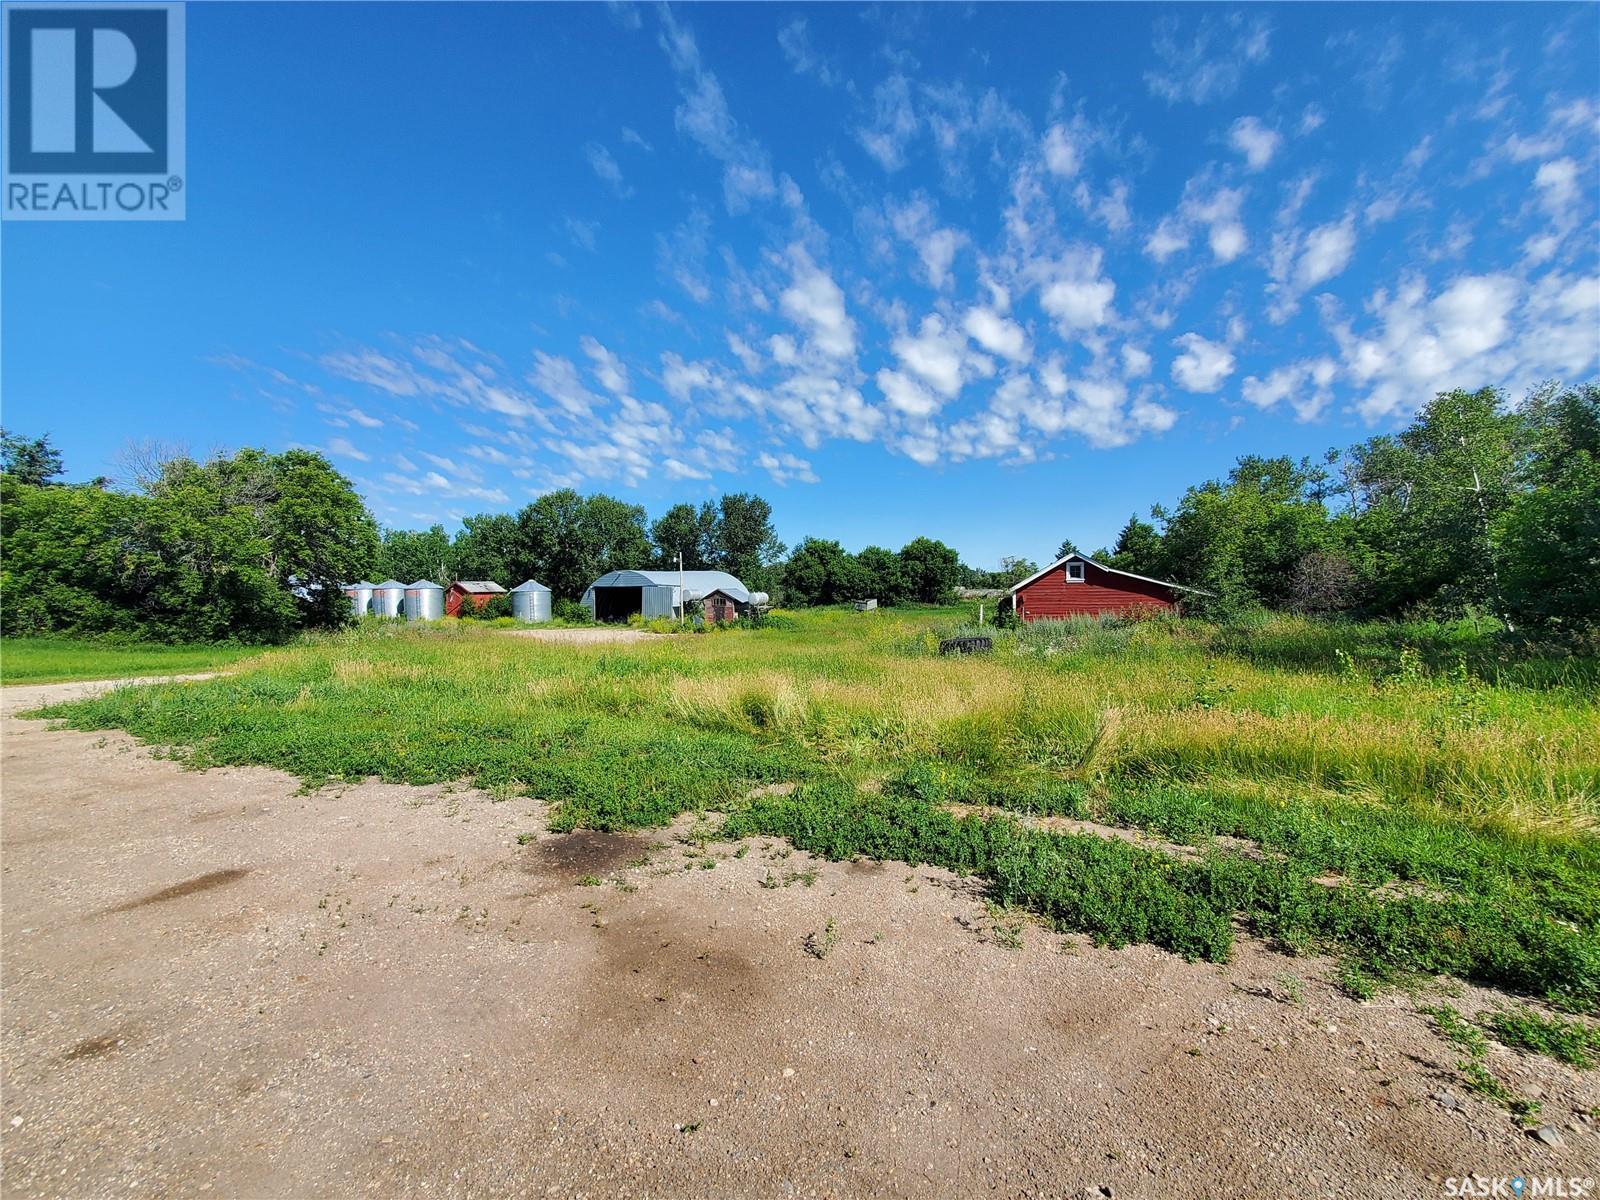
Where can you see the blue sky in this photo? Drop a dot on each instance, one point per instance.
(998, 274)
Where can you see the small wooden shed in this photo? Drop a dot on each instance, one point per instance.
(719, 607)
(476, 592)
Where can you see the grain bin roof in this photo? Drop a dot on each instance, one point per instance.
(423, 585)
(531, 585)
(696, 583)
(479, 585)
(388, 585)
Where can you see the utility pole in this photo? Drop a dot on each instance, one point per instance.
(683, 596)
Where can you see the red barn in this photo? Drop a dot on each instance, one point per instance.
(1077, 586)
(476, 592)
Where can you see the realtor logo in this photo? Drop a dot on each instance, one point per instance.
(94, 112)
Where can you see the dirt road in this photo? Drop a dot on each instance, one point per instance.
(213, 983)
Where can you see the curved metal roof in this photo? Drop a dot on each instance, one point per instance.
(696, 583)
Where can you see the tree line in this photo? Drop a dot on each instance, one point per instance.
(1475, 506)
(245, 548)
(566, 541)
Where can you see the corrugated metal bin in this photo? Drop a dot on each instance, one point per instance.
(424, 601)
(360, 595)
(388, 598)
(530, 602)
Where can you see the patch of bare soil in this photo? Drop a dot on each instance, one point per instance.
(397, 998)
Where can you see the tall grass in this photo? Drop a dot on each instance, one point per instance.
(1430, 756)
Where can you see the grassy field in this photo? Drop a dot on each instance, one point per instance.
(63, 660)
(1411, 799)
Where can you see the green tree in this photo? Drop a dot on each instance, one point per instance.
(412, 554)
(489, 546)
(746, 543)
(245, 548)
(1014, 570)
(684, 530)
(931, 570)
(572, 540)
(1242, 538)
(1549, 534)
(1068, 546)
(1428, 500)
(1138, 549)
(29, 460)
(819, 572)
(880, 576)
(62, 567)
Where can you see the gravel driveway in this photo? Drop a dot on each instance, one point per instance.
(214, 983)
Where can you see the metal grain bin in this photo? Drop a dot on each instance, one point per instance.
(424, 601)
(360, 595)
(388, 598)
(530, 602)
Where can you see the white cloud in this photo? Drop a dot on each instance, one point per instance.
(915, 223)
(749, 357)
(1075, 293)
(1327, 252)
(558, 379)
(1166, 239)
(794, 39)
(343, 448)
(938, 355)
(604, 165)
(997, 334)
(681, 379)
(786, 467)
(1305, 385)
(906, 395)
(1255, 141)
(704, 116)
(1061, 152)
(582, 233)
(1110, 208)
(894, 123)
(1210, 66)
(608, 368)
(1097, 408)
(1218, 212)
(1559, 191)
(1135, 362)
(1203, 365)
(814, 302)
(1477, 330)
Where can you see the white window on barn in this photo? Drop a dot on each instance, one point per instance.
(1075, 572)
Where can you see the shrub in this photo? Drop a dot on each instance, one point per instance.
(570, 612)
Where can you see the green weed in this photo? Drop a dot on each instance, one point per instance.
(1572, 1042)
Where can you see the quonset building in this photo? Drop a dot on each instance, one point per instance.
(617, 596)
